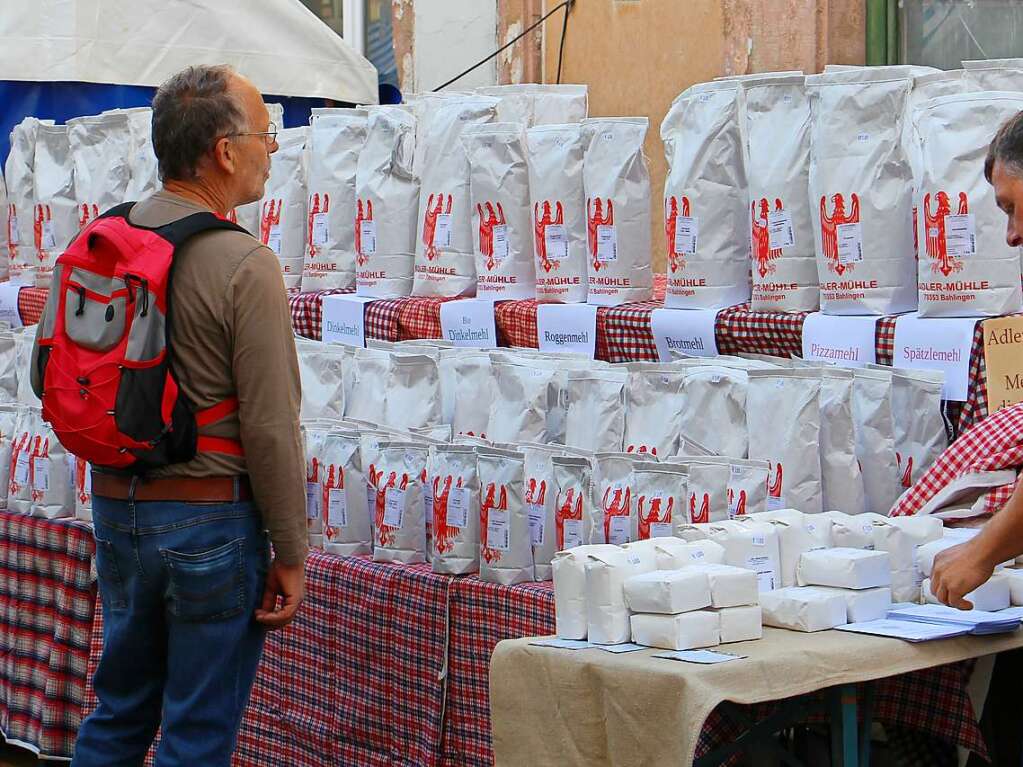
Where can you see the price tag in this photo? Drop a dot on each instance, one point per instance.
(607, 243)
(537, 522)
(660, 530)
(572, 533)
(498, 534)
(458, 508)
(428, 499)
(687, 232)
(764, 571)
(442, 231)
(273, 241)
(500, 242)
(321, 229)
(367, 237)
(312, 498)
(759, 540)
(774, 503)
(41, 473)
(555, 238)
(49, 238)
(21, 468)
(697, 556)
(394, 507)
(337, 507)
(12, 229)
(961, 235)
(469, 322)
(621, 529)
(780, 232)
(850, 243)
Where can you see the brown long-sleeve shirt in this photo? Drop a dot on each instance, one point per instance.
(232, 337)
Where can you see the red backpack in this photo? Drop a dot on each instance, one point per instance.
(105, 358)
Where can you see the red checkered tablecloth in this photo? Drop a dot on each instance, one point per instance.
(30, 304)
(307, 314)
(46, 615)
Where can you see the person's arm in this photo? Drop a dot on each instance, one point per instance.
(269, 391)
(960, 569)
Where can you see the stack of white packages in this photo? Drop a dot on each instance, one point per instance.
(607, 569)
(698, 605)
(751, 545)
(859, 578)
(797, 533)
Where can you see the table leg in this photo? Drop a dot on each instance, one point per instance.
(868, 721)
(844, 728)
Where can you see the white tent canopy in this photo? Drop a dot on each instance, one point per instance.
(278, 44)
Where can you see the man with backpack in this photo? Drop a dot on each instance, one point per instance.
(165, 357)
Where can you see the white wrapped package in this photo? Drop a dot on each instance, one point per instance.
(555, 160)
(19, 477)
(926, 553)
(595, 418)
(862, 605)
(729, 586)
(519, 406)
(668, 591)
(387, 204)
(715, 411)
(18, 174)
(845, 568)
(673, 553)
(445, 265)
(993, 595)
(752, 545)
(320, 366)
(803, 609)
(875, 438)
(607, 615)
(336, 138)
(966, 269)
(741, 624)
(660, 499)
(861, 192)
(777, 114)
(400, 511)
(55, 211)
(572, 478)
(900, 537)
(612, 517)
(920, 435)
(685, 631)
(854, 531)
(654, 402)
(501, 221)
(313, 435)
(706, 199)
(794, 540)
(346, 523)
(783, 417)
(282, 211)
(452, 502)
(819, 526)
(1015, 578)
(101, 149)
(506, 545)
(413, 396)
(569, 570)
(616, 182)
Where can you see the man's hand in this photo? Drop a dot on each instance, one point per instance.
(288, 583)
(958, 571)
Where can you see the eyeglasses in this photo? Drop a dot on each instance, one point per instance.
(271, 131)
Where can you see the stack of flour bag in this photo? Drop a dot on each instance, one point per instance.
(494, 461)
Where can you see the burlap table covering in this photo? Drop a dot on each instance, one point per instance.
(589, 707)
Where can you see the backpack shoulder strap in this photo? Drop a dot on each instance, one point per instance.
(118, 211)
(178, 232)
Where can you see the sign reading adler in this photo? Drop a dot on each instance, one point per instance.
(1003, 354)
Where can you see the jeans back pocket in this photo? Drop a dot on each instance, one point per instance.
(208, 585)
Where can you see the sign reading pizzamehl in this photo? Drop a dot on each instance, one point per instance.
(1003, 355)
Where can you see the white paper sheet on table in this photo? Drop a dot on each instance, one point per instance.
(911, 631)
(703, 657)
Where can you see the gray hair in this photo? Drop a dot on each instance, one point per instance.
(1006, 148)
(191, 111)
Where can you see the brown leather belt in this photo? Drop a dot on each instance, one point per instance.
(184, 489)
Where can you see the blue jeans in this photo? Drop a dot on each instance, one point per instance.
(179, 583)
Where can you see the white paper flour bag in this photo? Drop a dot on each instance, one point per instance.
(596, 410)
(920, 434)
(321, 368)
(282, 220)
(387, 204)
(53, 495)
(19, 176)
(445, 265)
(747, 487)
(707, 488)
(612, 517)
(875, 438)
(784, 420)
(335, 141)
(366, 398)
(145, 170)
(19, 476)
(661, 494)
(751, 545)
(399, 523)
(569, 569)
(654, 401)
(453, 502)
(499, 201)
(558, 204)
(522, 397)
(343, 503)
(541, 498)
(54, 211)
(706, 202)
(539, 104)
(966, 269)
(506, 549)
(616, 183)
(993, 74)
(9, 415)
(715, 409)
(101, 150)
(472, 382)
(413, 395)
(607, 614)
(861, 192)
(777, 114)
(5, 231)
(573, 478)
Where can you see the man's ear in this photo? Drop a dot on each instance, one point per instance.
(225, 155)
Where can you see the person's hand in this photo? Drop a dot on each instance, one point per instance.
(958, 571)
(288, 583)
